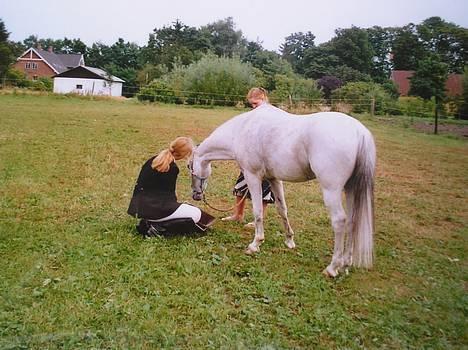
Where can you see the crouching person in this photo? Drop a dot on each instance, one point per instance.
(154, 199)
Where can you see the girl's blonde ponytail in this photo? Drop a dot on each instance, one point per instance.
(180, 148)
(163, 161)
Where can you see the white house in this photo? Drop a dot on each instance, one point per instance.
(87, 81)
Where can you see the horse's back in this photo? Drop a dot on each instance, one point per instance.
(297, 147)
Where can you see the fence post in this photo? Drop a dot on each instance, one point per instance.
(372, 107)
(436, 116)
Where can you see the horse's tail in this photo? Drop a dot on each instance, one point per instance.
(360, 198)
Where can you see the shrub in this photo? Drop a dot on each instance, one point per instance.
(213, 81)
(416, 107)
(157, 90)
(360, 95)
(296, 90)
(328, 84)
(14, 77)
(43, 84)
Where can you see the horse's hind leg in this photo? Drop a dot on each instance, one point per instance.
(278, 191)
(255, 188)
(348, 249)
(332, 200)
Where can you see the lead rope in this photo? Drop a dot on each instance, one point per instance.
(229, 209)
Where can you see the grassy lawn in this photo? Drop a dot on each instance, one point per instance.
(76, 276)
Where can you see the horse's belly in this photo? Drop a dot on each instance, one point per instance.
(292, 174)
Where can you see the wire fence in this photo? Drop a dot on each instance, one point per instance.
(289, 102)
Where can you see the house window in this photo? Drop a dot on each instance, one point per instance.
(79, 87)
(34, 77)
(31, 65)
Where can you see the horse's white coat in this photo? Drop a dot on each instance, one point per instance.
(269, 143)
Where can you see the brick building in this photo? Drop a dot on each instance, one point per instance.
(401, 78)
(36, 63)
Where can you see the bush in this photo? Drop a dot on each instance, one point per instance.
(328, 84)
(14, 77)
(157, 90)
(296, 90)
(416, 107)
(213, 81)
(360, 95)
(43, 84)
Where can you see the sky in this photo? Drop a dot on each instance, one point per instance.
(266, 21)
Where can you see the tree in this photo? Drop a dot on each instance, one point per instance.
(31, 41)
(407, 49)
(429, 81)
(352, 47)
(319, 61)
(447, 40)
(72, 46)
(177, 43)
(6, 54)
(347, 74)
(224, 40)
(252, 49)
(463, 110)
(98, 55)
(327, 84)
(270, 64)
(380, 40)
(294, 47)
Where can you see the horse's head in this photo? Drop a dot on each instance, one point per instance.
(201, 171)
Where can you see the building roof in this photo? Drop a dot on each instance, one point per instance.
(70, 60)
(88, 73)
(454, 84)
(401, 78)
(53, 60)
(58, 62)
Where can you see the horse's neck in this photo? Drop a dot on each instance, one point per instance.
(218, 146)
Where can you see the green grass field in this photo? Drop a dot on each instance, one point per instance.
(76, 276)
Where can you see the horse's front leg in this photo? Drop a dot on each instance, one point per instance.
(278, 191)
(255, 188)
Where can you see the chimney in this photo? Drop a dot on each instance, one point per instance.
(50, 49)
(39, 46)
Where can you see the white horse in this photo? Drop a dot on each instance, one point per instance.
(269, 143)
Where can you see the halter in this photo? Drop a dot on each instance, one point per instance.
(203, 184)
(202, 181)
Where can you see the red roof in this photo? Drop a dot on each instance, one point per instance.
(453, 85)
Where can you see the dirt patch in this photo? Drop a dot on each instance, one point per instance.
(428, 127)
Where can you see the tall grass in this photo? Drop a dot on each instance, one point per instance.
(76, 276)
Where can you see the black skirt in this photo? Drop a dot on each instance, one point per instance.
(240, 188)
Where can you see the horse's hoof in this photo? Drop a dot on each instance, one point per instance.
(329, 272)
(251, 250)
(290, 244)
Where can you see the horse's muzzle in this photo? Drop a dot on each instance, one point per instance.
(197, 196)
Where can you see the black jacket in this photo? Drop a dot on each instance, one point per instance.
(154, 196)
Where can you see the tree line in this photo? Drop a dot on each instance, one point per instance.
(352, 55)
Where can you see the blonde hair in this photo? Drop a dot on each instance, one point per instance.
(181, 147)
(257, 93)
